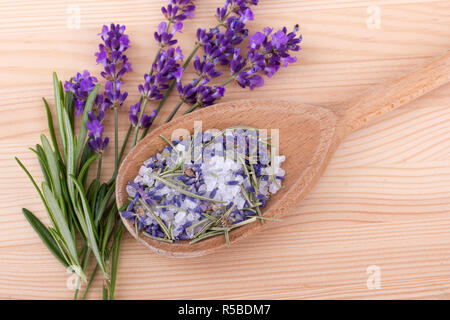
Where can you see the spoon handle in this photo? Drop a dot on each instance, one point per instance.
(387, 97)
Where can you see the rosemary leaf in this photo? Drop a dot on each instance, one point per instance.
(187, 193)
(45, 236)
(90, 228)
(158, 219)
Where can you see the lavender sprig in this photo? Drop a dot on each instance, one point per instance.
(80, 85)
(166, 65)
(111, 56)
(267, 52)
(156, 86)
(218, 48)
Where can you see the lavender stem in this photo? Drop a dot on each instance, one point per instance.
(194, 106)
(116, 142)
(175, 110)
(170, 89)
(136, 130)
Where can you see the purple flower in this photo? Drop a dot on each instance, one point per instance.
(206, 68)
(134, 113)
(203, 37)
(111, 52)
(178, 10)
(113, 97)
(255, 41)
(218, 46)
(164, 38)
(165, 66)
(81, 86)
(279, 39)
(163, 70)
(147, 120)
(266, 52)
(238, 62)
(115, 63)
(149, 90)
(207, 95)
(188, 93)
(95, 129)
(249, 79)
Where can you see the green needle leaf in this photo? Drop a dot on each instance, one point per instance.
(90, 226)
(85, 167)
(45, 236)
(51, 129)
(52, 166)
(59, 108)
(61, 222)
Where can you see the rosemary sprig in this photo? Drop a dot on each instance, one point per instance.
(79, 226)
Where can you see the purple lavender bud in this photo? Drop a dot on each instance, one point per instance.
(147, 120)
(256, 60)
(255, 41)
(206, 68)
(111, 52)
(203, 37)
(150, 90)
(164, 38)
(188, 93)
(134, 113)
(81, 86)
(115, 63)
(237, 63)
(207, 95)
(222, 12)
(249, 79)
(279, 39)
(166, 64)
(178, 10)
(113, 97)
(95, 132)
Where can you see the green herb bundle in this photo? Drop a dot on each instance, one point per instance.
(84, 219)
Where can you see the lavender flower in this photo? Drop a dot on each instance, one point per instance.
(165, 38)
(146, 120)
(95, 129)
(115, 62)
(178, 10)
(188, 93)
(266, 53)
(134, 113)
(81, 86)
(203, 37)
(113, 97)
(206, 68)
(111, 52)
(163, 70)
(207, 95)
(166, 64)
(149, 90)
(218, 48)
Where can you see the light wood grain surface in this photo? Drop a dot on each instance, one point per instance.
(383, 201)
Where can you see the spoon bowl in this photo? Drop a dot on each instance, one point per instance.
(308, 136)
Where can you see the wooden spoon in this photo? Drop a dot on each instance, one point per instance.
(308, 137)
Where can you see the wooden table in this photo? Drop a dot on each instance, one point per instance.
(382, 208)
